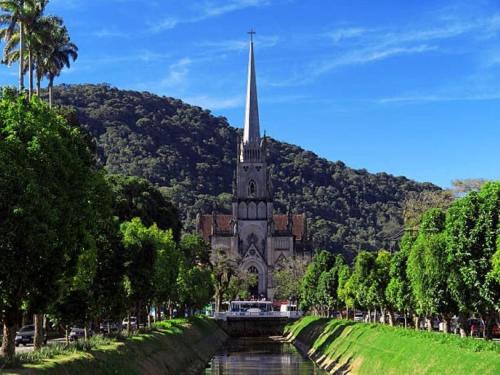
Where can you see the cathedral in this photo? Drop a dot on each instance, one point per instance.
(256, 235)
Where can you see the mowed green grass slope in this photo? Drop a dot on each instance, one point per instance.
(173, 347)
(376, 349)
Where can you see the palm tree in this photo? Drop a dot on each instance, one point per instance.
(32, 30)
(13, 20)
(42, 45)
(58, 55)
(34, 34)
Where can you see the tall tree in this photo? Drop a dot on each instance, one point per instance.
(224, 269)
(48, 177)
(472, 225)
(362, 279)
(398, 291)
(142, 244)
(322, 261)
(344, 291)
(328, 284)
(428, 268)
(61, 50)
(381, 280)
(287, 277)
(14, 19)
(136, 197)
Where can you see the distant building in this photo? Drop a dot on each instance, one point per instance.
(253, 232)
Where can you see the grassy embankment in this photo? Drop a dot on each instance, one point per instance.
(339, 345)
(173, 347)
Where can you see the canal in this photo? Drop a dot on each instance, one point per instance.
(256, 356)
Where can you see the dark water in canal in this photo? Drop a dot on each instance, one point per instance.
(252, 356)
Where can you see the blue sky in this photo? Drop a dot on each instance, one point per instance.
(411, 88)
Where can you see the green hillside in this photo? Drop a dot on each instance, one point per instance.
(190, 154)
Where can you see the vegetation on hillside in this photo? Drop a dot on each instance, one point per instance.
(190, 154)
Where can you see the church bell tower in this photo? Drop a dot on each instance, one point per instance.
(252, 201)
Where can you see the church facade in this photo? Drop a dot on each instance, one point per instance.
(252, 232)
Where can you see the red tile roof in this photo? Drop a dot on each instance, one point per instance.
(280, 224)
(206, 224)
(298, 224)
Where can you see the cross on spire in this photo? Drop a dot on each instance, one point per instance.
(251, 132)
(251, 33)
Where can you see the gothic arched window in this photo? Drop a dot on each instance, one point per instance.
(252, 189)
(253, 270)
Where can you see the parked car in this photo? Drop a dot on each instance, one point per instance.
(108, 326)
(26, 335)
(359, 316)
(133, 323)
(78, 333)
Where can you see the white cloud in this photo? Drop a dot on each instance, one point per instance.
(177, 73)
(429, 98)
(207, 10)
(230, 45)
(216, 103)
(339, 35)
(108, 33)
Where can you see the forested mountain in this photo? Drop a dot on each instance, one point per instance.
(190, 154)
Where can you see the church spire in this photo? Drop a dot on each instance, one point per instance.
(251, 132)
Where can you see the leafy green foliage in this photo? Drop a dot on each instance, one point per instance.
(321, 262)
(398, 291)
(47, 205)
(191, 154)
(428, 268)
(287, 278)
(472, 225)
(136, 197)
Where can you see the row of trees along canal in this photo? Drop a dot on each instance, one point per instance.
(78, 245)
(448, 264)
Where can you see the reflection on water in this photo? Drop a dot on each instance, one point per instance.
(260, 356)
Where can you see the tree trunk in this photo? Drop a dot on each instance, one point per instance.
(217, 303)
(86, 331)
(382, 318)
(391, 318)
(406, 320)
(30, 70)
(51, 83)
(462, 325)
(428, 322)
(21, 57)
(8, 349)
(38, 84)
(488, 326)
(347, 312)
(39, 337)
(416, 319)
(128, 324)
(66, 334)
(446, 324)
